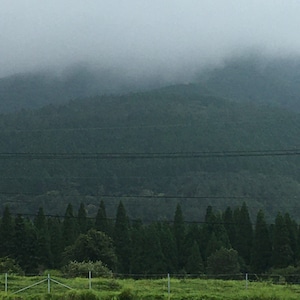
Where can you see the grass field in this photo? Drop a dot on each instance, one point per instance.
(129, 289)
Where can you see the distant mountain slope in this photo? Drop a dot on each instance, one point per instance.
(272, 82)
(37, 89)
(176, 119)
(254, 79)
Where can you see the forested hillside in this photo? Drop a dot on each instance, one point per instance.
(252, 78)
(179, 144)
(37, 89)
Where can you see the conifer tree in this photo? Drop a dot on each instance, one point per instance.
(262, 247)
(101, 222)
(44, 255)
(137, 247)
(282, 255)
(82, 219)
(194, 263)
(214, 233)
(122, 240)
(292, 228)
(230, 225)
(70, 227)
(179, 235)
(168, 247)
(193, 235)
(208, 227)
(24, 244)
(244, 238)
(154, 261)
(6, 233)
(56, 240)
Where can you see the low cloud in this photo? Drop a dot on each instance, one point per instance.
(169, 37)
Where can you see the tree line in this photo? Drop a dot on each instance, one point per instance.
(226, 242)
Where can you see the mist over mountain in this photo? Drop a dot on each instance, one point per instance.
(37, 89)
(252, 77)
(275, 82)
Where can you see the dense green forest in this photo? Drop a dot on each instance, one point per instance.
(226, 242)
(230, 137)
(52, 156)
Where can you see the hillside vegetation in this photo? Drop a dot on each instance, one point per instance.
(176, 119)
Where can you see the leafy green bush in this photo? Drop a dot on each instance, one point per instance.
(289, 274)
(126, 294)
(223, 261)
(81, 269)
(10, 266)
(111, 285)
(56, 273)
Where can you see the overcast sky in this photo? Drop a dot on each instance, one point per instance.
(142, 35)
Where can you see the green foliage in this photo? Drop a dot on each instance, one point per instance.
(144, 122)
(189, 289)
(223, 261)
(282, 254)
(93, 246)
(244, 237)
(81, 269)
(10, 266)
(127, 294)
(81, 295)
(262, 246)
(122, 239)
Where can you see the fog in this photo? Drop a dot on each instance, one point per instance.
(142, 38)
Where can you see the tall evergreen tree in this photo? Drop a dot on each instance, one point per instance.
(230, 225)
(154, 261)
(137, 247)
(101, 222)
(43, 251)
(70, 227)
(244, 237)
(193, 235)
(262, 246)
(214, 233)
(179, 235)
(292, 228)
(194, 264)
(56, 240)
(122, 240)
(82, 219)
(6, 233)
(25, 244)
(282, 255)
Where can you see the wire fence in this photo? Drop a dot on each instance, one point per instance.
(12, 284)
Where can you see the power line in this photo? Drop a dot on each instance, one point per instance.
(147, 126)
(149, 155)
(135, 196)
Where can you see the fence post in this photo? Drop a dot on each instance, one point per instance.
(90, 280)
(49, 287)
(6, 283)
(246, 280)
(169, 286)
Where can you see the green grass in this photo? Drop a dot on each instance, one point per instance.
(130, 289)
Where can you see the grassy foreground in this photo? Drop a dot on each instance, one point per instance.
(129, 289)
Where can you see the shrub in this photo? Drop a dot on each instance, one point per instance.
(10, 266)
(223, 261)
(81, 269)
(126, 294)
(81, 295)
